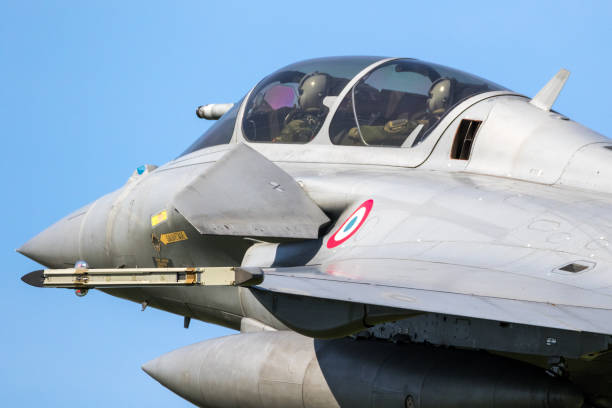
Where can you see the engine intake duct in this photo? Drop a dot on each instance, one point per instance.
(285, 369)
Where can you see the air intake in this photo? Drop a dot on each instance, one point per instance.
(464, 138)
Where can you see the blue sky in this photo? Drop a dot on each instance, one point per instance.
(92, 90)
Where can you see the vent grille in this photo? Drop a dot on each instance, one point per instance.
(464, 138)
(574, 267)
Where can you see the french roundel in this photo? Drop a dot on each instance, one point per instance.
(351, 225)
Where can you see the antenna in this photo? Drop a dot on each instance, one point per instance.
(549, 93)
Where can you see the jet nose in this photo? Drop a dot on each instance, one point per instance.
(179, 371)
(168, 369)
(150, 368)
(58, 245)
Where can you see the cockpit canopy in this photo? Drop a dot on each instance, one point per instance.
(400, 101)
(397, 103)
(290, 105)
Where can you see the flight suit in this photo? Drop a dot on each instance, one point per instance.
(394, 132)
(302, 127)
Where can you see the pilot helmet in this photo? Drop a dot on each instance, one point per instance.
(312, 89)
(439, 95)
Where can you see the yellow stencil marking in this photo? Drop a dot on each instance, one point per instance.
(161, 262)
(173, 237)
(159, 217)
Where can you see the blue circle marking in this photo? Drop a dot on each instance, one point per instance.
(350, 224)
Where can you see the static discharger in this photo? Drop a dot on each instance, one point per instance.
(84, 279)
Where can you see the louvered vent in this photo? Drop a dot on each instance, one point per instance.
(464, 138)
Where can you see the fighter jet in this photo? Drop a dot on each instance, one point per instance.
(383, 232)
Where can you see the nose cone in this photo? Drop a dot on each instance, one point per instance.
(179, 371)
(58, 245)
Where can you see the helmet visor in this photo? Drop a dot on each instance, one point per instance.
(280, 96)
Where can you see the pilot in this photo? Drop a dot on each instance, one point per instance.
(394, 132)
(302, 124)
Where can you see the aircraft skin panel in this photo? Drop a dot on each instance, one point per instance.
(438, 298)
(468, 216)
(495, 247)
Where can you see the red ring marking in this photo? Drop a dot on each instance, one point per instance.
(332, 242)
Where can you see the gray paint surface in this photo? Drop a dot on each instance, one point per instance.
(487, 239)
(245, 194)
(284, 369)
